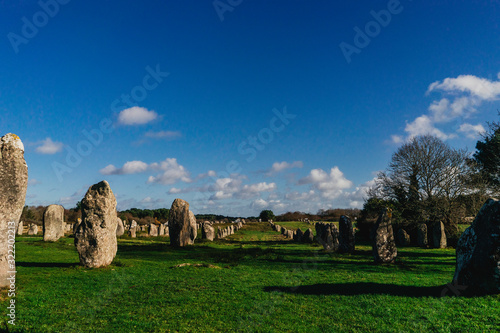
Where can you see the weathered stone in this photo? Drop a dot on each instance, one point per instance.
(132, 231)
(478, 252)
(298, 235)
(283, 231)
(53, 223)
(167, 232)
(402, 238)
(327, 235)
(161, 231)
(75, 225)
(120, 228)
(308, 236)
(289, 234)
(153, 230)
(95, 237)
(346, 235)
(20, 228)
(422, 235)
(33, 230)
(207, 232)
(277, 227)
(438, 236)
(13, 184)
(182, 224)
(382, 235)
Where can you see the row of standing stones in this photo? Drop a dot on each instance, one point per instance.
(478, 249)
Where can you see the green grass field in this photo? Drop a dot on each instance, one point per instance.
(253, 281)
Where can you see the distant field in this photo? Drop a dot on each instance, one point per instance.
(253, 281)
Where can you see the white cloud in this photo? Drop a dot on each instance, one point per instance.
(171, 172)
(166, 135)
(136, 116)
(33, 182)
(174, 190)
(49, 147)
(467, 93)
(127, 169)
(424, 125)
(484, 89)
(397, 139)
(471, 131)
(259, 204)
(280, 166)
(330, 185)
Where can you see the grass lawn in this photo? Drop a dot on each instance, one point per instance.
(252, 281)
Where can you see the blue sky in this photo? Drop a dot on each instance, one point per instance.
(238, 106)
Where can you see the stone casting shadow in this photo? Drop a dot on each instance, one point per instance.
(363, 288)
(46, 264)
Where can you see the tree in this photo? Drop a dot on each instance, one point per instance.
(426, 177)
(487, 157)
(266, 215)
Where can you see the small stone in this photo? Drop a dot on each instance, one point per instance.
(384, 246)
(53, 223)
(439, 236)
(120, 228)
(327, 235)
(402, 237)
(346, 235)
(422, 235)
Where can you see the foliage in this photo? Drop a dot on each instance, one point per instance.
(427, 179)
(487, 157)
(266, 215)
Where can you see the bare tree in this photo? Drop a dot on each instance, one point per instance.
(426, 177)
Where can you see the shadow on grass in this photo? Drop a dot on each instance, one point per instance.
(361, 288)
(46, 264)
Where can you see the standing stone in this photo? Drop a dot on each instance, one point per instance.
(298, 235)
(33, 230)
(133, 229)
(20, 228)
(75, 225)
(478, 252)
(153, 230)
(161, 231)
(308, 236)
(439, 236)
(95, 237)
(167, 232)
(120, 228)
(384, 246)
(277, 227)
(346, 235)
(402, 237)
(182, 224)
(327, 234)
(13, 184)
(53, 223)
(289, 234)
(422, 235)
(207, 232)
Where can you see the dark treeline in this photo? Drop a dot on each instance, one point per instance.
(323, 215)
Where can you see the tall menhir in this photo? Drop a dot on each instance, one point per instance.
(13, 185)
